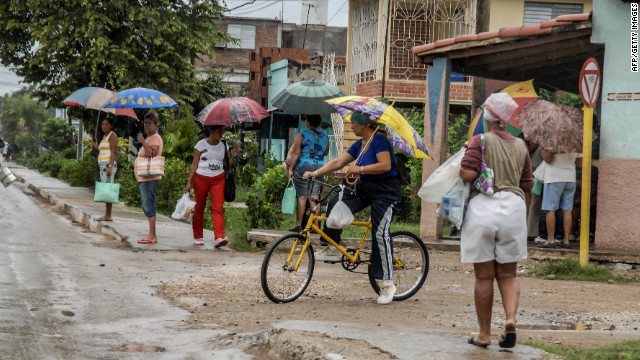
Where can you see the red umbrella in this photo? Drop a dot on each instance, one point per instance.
(232, 111)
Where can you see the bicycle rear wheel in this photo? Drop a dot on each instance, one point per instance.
(280, 282)
(410, 265)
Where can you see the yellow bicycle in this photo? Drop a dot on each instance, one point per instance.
(288, 265)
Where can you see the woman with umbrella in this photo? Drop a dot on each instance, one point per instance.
(494, 231)
(207, 178)
(378, 186)
(108, 148)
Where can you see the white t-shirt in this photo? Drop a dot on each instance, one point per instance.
(211, 158)
(562, 168)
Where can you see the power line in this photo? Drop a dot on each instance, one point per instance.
(336, 13)
(274, 2)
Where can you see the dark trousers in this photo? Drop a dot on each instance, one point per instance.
(383, 195)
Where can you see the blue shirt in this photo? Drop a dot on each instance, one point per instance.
(314, 144)
(378, 144)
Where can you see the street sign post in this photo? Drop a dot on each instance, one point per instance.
(589, 85)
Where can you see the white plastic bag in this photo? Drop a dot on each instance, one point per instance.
(341, 215)
(184, 209)
(540, 171)
(441, 180)
(454, 203)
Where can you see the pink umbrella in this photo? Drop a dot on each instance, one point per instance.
(232, 111)
(552, 125)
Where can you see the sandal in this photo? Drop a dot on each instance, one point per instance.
(508, 340)
(473, 341)
(564, 246)
(547, 246)
(147, 241)
(104, 219)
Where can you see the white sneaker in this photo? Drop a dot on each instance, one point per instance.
(327, 253)
(540, 240)
(386, 294)
(198, 242)
(220, 242)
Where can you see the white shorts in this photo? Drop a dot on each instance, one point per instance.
(494, 228)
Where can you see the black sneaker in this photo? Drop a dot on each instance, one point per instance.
(296, 229)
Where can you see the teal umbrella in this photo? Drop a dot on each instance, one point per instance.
(307, 97)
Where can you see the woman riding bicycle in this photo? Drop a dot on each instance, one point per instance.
(378, 186)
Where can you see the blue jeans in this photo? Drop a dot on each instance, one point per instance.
(148, 190)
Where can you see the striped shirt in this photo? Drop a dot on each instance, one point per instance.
(105, 148)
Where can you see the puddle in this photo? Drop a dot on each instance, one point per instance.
(143, 348)
(568, 326)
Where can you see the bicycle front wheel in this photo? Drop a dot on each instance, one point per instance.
(410, 265)
(281, 282)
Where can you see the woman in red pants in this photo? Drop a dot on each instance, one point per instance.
(207, 178)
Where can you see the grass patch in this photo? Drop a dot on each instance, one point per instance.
(236, 228)
(626, 350)
(570, 269)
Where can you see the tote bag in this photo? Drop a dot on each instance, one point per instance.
(153, 166)
(484, 182)
(289, 199)
(107, 192)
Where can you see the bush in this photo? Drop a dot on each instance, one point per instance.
(263, 202)
(80, 172)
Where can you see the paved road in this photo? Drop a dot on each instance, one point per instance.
(68, 293)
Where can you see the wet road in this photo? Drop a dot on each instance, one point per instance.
(66, 293)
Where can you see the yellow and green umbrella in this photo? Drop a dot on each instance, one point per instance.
(403, 136)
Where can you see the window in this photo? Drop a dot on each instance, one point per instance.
(535, 12)
(246, 35)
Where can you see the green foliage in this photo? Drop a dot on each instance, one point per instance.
(457, 132)
(179, 139)
(66, 45)
(49, 161)
(570, 269)
(625, 350)
(22, 120)
(81, 172)
(562, 97)
(57, 134)
(263, 202)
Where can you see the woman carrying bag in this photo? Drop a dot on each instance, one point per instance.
(378, 186)
(207, 178)
(108, 148)
(151, 147)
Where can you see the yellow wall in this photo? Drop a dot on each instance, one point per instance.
(510, 13)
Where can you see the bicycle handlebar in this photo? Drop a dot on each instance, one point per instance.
(334, 188)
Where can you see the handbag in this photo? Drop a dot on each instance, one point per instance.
(289, 202)
(184, 209)
(107, 192)
(484, 182)
(229, 177)
(150, 166)
(454, 203)
(340, 216)
(442, 178)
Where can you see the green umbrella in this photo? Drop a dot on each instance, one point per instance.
(307, 97)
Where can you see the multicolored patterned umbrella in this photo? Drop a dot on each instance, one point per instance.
(403, 136)
(307, 97)
(92, 97)
(554, 126)
(522, 93)
(232, 111)
(140, 98)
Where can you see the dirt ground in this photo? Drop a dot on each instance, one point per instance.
(227, 293)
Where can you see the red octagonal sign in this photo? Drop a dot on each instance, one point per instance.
(590, 82)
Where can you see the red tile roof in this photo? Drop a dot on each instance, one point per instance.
(545, 27)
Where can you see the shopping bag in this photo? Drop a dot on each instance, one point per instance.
(150, 166)
(484, 182)
(454, 203)
(107, 192)
(340, 216)
(289, 200)
(540, 171)
(442, 178)
(184, 209)
(537, 187)
(6, 177)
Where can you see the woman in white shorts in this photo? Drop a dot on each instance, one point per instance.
(494, 230)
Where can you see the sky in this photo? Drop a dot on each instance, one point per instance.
(269, 9)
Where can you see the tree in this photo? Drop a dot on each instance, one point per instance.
(22, 119)
(57, 134)
(63, 45)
